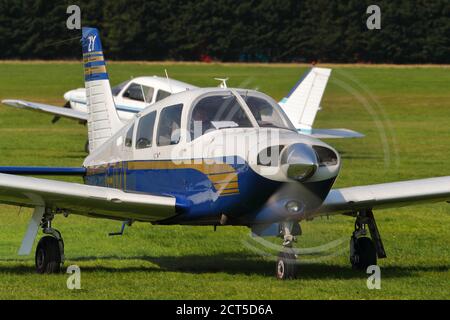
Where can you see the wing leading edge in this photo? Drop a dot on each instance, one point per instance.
(83, 199)
(386, 195)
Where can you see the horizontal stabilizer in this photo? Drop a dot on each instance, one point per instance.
(332, 133)
(45, 108)
(48, 171)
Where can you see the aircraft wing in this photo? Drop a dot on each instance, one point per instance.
(386, 195)
(56, 111)
(83, 199)
(332, 133)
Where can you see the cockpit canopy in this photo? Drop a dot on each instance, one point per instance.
(218, 111)
(212, 109)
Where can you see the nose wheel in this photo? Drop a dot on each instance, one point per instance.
(286, 267)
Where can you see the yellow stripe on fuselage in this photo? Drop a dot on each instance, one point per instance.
(214, 168)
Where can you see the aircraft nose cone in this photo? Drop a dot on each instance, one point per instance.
(299, 161)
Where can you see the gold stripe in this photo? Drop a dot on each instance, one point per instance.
(88, 54)
(229, 192)
(95, 70)
(224, 178)
(215, 168)
(223, 186)
(93, 59)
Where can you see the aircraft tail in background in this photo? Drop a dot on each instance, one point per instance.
(103, 120)
(303, 102)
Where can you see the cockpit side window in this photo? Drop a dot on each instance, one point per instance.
(162, 95)
(217, 112)
(144, 135)
(169, 126)
(129, 137)
(138, 92)
(266, 114)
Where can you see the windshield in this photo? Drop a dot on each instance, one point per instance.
(219, 111)
(266, 113)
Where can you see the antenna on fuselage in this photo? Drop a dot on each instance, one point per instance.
(168, 81)
(223, 82)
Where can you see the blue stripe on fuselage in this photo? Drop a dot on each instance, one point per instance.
(193, 188)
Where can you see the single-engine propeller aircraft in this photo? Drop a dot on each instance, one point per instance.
(208, 156)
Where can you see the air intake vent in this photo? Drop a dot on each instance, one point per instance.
(327, 157)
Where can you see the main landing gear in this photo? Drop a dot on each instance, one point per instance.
(50, 249)
(364, 250)
(287, 259)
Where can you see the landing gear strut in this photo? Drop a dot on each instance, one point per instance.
(50, 249)
(287, 259)
(364, 250)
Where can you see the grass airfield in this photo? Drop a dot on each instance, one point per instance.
(404, 112)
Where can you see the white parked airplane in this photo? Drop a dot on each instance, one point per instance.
(209, 156)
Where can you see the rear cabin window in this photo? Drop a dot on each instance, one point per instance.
(138, 92)
(129, 137)
(144, 135)
(162, 95)
(169, 125)
(215, 113)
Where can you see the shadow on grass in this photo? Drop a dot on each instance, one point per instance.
(229, 263)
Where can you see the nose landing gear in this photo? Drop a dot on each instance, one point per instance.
(286, 267)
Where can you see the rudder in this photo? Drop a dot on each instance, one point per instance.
(103, 120)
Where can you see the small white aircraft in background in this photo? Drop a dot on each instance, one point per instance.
(130, 97)
(133, 96)
(187, 160)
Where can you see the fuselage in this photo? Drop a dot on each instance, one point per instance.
(235, 169)
(132, 96)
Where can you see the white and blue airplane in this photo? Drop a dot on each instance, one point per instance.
(208, 156)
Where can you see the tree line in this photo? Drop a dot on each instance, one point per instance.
(412, 31)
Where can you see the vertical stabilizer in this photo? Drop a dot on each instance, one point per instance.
(303, 102)
(103, 120)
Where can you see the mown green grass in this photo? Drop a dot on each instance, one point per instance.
(404, 112)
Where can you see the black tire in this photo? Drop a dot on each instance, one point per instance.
(365, 253)
(86, 146)
(48, 256)
(286, 265)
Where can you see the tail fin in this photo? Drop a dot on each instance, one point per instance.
(303, 102)
(103, 120)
